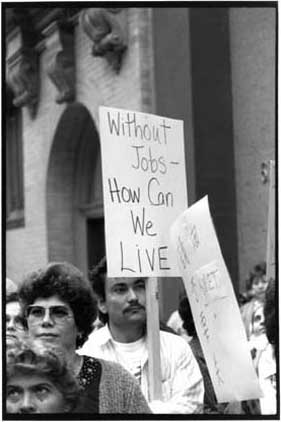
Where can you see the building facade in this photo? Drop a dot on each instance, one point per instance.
(214, 68)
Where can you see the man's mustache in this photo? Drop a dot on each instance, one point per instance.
(134, 306)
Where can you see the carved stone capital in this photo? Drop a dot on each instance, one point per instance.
(107, 28)
(61, 61)
(22, 71)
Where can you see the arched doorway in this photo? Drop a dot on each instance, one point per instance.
(75, 222)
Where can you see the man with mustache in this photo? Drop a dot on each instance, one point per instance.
(122, 307)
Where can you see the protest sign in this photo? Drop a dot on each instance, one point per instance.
(271, 226)
(144, 187)
(214, 307)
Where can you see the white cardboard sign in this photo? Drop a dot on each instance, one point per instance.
(214, 307)
(144, 189)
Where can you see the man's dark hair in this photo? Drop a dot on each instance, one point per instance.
(258, 271)
(186, 316)
(97, 277)
(270, 320)
(68, 283)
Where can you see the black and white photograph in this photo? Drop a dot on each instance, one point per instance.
(140, 211)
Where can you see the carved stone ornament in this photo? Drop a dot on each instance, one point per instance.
(264, 172)
(22, 72)
(107, 28)
(61, 61)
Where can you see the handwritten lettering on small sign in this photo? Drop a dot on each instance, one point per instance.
(144, 187)
(214, 307)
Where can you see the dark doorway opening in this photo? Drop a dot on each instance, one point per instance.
(95, 241)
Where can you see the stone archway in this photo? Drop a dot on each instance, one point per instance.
(73, 185)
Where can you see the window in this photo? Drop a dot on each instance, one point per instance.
(14, 169)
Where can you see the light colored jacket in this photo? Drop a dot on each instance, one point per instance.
(182, 383)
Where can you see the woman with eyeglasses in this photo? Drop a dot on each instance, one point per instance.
(59, 307)
(15, 324)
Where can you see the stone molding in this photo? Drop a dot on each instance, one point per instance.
(59, 43)
(107, 28)
(22, 70)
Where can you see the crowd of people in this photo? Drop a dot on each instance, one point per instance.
(79, 345)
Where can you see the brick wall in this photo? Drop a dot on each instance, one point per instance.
(96, 84)
(27, 246)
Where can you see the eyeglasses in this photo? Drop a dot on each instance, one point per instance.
(18, 322)
(59, 314)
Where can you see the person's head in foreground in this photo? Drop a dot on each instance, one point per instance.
(38, 381)
(15, 322)
(59, 305)
(121, 302)
(257, 283)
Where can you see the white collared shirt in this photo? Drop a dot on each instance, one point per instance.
(182, 383)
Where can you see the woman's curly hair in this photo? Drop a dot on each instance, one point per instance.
(29, 358)
(68, 283)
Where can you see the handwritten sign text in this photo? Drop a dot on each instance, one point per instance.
(144, 186)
